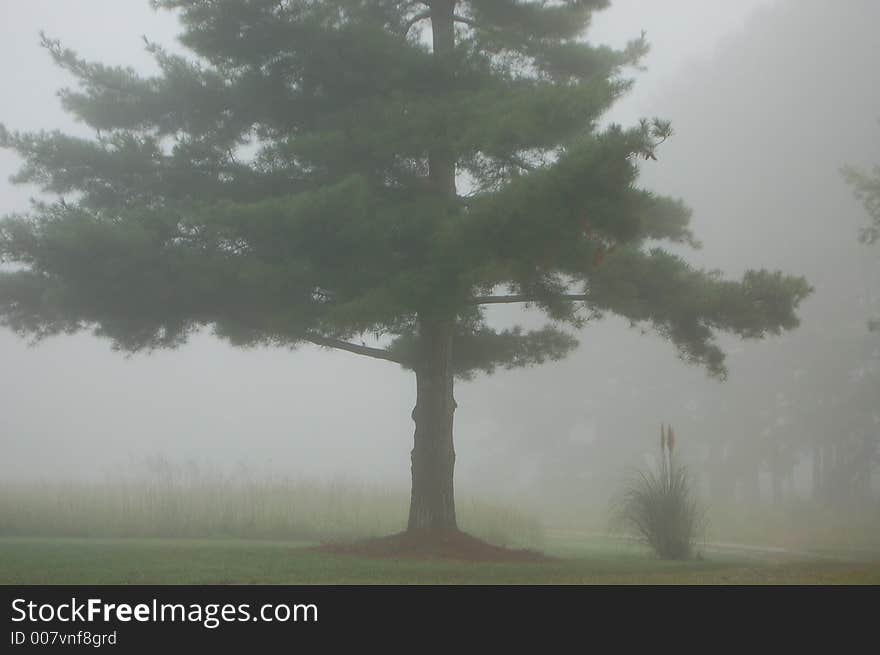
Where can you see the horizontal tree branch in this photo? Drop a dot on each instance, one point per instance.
(501, 300)
(375, 353)
(415, 19)
(465, 21)
(516, 161)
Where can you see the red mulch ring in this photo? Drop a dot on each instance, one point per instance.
(451, 544)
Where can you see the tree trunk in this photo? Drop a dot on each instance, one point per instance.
(752, 481)
(776, 476)
(717, 483)
(432, 506)
(441, 158)
(827, 470)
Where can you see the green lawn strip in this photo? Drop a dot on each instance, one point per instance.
(159, 561)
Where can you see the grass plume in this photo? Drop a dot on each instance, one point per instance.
(659, 505)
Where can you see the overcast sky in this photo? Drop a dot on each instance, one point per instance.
(72, 407)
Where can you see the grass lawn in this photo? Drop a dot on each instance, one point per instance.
(583, 560)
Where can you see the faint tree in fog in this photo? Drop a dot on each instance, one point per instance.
(866, 186)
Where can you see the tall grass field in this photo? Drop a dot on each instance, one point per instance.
(192, 504)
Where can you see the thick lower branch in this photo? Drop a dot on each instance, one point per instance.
(415, 19)
(500, 300)
(375, 353)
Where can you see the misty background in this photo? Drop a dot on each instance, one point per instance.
(768, 99)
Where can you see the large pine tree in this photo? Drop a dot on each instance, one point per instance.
(866, 186)
(340, 170)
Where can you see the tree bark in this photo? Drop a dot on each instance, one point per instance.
(441, 159)
(432, 505)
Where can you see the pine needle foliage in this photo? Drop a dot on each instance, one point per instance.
(314, 172)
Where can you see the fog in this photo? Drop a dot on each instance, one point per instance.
(767, 98)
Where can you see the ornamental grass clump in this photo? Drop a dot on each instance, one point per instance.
(659, 506)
